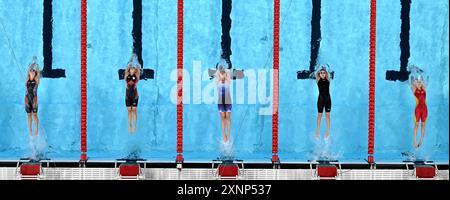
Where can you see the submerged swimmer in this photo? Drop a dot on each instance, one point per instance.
(420, 111)
(31, 100)
(224, 104)
(132, 75)
(324, 100)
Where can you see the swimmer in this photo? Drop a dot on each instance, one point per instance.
(132, 75)
(31, 100)
(324, 100)
(223, 79)
(420, 111)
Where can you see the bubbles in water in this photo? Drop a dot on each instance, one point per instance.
(325, 149)
(134, 61)
(226, 150)
(420, 154)
(222, 62)
(38, 146)
(318, 67)
(132, 147)
(417, 74)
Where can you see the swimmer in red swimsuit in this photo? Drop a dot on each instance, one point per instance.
(421, 111)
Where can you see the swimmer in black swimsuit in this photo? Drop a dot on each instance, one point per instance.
(324, 100)
(31, 100)
(132, 74)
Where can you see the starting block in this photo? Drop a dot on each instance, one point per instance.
(130, 169)
(29, 169)
(423, 169)
(227, 169)
(325, 169)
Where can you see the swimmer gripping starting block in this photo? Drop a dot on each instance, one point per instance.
(325, 169)
(236, 73)
(145, 74)
(31, 169)
(128, 169)
(308, 74)
(227, 169)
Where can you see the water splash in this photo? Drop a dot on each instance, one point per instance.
(418, 74)
(38, 146)
(226, 150)
(222, 62)
(325, 149)
(34, 60)
(419, 154)
(132, 147)
(134, 61)
(319, 67)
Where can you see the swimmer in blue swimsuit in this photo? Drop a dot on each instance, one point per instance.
(224, 103)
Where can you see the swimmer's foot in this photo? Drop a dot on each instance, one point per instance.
(420, 143)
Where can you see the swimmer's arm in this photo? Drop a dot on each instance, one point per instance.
(317, 76)
(30, 67)
(27, 79)
(218, 77)
(38, 74)
(126, 74)
(138, 74)
(413, 87)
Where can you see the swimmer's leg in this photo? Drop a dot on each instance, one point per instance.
(36, 122)
(129, 118)
(134, 111)
(228, 121)
(422, 134)
(416, 124)
(327, 116)
(222, 120)
(29, 124)
(319, 117)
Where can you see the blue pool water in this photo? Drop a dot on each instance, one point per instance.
(344, 46)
